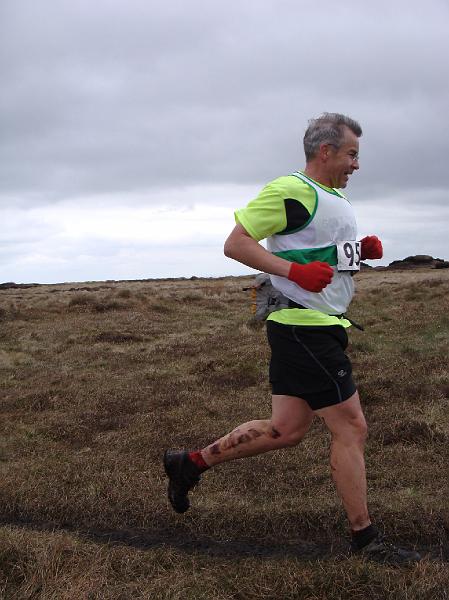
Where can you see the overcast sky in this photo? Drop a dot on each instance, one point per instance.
(131, 130)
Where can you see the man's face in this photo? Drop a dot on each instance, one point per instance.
(341, 162)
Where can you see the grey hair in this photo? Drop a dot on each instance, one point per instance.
(327, 129)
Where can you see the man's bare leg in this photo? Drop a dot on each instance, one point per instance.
(291, 419)
(347, 425)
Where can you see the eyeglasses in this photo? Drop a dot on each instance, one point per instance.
(353, 155)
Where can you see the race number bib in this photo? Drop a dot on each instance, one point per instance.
(348, 256)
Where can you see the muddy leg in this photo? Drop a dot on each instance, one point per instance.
(291, 419)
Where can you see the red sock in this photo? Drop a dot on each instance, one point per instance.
(198, 460)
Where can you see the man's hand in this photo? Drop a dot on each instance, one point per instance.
(313, 276)
(371, 247)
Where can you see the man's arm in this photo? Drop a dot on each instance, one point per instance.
(242, 247)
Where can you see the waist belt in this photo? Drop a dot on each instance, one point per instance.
(292, 304)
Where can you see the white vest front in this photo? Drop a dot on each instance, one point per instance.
(332, 222)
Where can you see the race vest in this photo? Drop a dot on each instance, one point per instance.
(328, 236)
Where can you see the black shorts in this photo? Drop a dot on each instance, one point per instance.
(310, 362)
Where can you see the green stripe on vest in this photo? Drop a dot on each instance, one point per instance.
(303, 257)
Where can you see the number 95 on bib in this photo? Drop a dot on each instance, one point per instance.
(348, 256)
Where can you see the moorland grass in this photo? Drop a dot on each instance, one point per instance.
(96, 380)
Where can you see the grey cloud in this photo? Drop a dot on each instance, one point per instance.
(117, 96)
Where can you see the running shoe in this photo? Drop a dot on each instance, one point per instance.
(385, 552)
(183, 475)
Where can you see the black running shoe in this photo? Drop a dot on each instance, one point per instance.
(384, 552)
(183, 475)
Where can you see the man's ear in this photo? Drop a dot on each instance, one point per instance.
(324, 152)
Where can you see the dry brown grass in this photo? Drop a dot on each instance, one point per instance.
(96, 380)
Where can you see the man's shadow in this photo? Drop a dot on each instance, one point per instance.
(180, 538)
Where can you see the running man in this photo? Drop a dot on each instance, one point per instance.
(312, 253)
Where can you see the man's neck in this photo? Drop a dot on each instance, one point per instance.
(314, 172)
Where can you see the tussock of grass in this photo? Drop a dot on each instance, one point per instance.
(117, 337)
(414, 432)
(91, 303)
(97, 380)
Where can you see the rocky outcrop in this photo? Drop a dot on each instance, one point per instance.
(10, 285)
(441, 264)
(419, 261)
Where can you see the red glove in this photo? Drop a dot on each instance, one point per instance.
(371, 247)
(313, 276)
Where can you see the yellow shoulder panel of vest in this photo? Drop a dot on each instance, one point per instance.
(293, 187)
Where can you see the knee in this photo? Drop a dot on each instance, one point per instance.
(357, 431)
(361, 428)
(293, 438)
(288, 437)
